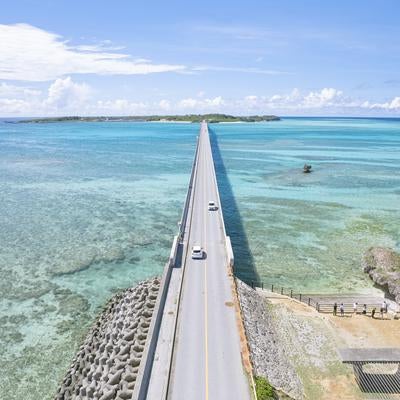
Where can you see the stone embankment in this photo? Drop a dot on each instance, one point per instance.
(383, 266)
(107, 363)
(267, 351)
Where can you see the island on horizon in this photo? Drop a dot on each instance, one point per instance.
(210, 118)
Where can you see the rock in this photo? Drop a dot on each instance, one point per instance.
(130, 378)
(383, 266)
(114, 379)
(134, 362)
(267, 352)
(109, 395)
(130, 336)
(307, 168)
(125, 394)
(104, 367)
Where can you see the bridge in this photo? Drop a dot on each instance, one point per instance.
(196, 340)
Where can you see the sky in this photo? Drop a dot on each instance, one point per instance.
(286, 57)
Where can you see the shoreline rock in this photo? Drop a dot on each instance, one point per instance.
(383, 266)
(107, 363)
(268, 353)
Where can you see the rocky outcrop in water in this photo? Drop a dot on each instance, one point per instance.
(107, 363)
(383, 266)
(268, 353)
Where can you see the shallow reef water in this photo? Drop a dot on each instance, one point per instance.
(88, 209)
(308, 232)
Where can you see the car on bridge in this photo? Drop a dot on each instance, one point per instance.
(212, 206)
(197, 252)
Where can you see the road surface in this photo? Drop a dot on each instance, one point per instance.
(206, 355)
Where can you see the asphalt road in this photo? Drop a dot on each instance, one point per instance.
(206, 358)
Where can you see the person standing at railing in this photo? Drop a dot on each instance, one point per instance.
(341, 310)
(335, 309)
(355, 305)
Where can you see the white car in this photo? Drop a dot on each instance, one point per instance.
(197, 252)
(212, 206)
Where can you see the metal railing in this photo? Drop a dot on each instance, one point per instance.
(320, 306)
(286, 292)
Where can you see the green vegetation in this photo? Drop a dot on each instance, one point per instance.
(264, 389)
(211, 118)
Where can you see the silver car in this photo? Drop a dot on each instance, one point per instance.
(197, 252)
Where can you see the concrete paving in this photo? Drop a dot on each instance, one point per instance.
(206, 357)
(370, 355)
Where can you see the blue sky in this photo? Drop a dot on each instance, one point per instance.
(271, 57)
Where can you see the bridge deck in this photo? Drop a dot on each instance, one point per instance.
(199, 326)
(207, 360)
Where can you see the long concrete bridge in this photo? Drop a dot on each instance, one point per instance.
(195, 344)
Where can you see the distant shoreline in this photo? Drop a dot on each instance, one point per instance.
(191, 118)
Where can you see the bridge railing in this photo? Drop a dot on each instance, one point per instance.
(182, 223)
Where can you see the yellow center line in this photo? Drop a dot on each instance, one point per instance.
(205, 277)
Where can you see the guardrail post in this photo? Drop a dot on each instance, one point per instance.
(272, 288)
(300, 296)
(291, 293)
(317, 307)
(281, 290)
(309, 301)
(262, 285)
(252, 284)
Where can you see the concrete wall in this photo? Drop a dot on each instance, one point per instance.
(152, 337)
(229, 251)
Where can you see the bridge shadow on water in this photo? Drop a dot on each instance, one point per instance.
(244, 268)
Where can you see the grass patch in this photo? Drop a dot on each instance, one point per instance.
(264, 389)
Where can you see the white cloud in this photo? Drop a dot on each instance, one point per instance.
(29, 53)
(7, 90)
(63, 96)
(251, 98)
(237, 32)
(247, 70)
(17, 107)
(326, 97)
(67, 97)
(164, 105)
(64, 93)
(202, 105)
(325, 101)
(394, 104)
(189, 103)
(216, 101)
(117, 107)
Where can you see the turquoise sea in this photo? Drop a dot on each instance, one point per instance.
(90, 208)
